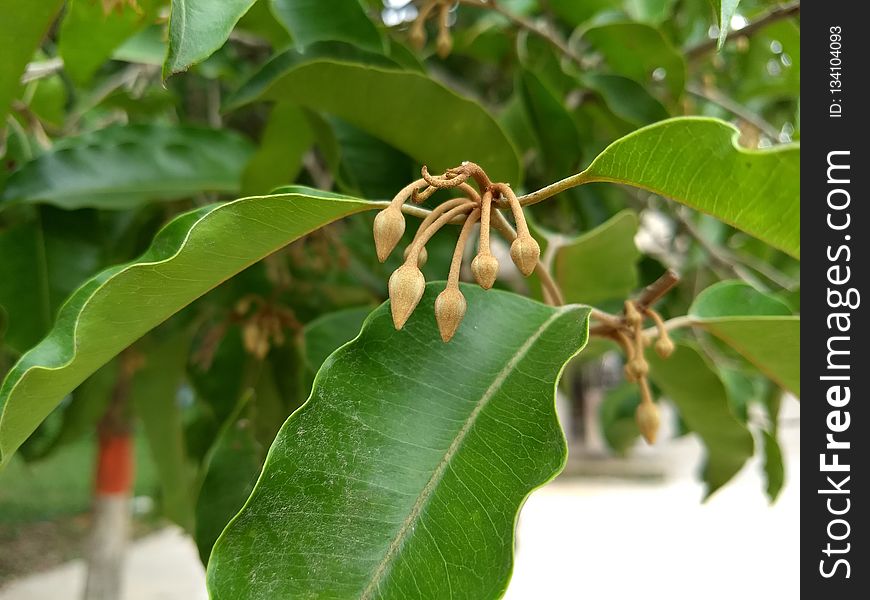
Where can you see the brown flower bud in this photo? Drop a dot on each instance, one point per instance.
(450, 308)
(525, 253)
(388, 229)
(417, 35)
(444, 44)
(636, 368)
(664, 346)
(406, 288)
(422, 257)
(485, 270)
(648, 420)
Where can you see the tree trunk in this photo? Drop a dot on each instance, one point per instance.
(110, 529)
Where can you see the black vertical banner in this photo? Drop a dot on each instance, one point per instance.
(835, 257)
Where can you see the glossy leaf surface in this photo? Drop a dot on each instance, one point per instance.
(407, 466)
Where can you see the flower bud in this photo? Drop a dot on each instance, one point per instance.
(525, 253)
(485, 270)
(444, 44)
(422, 257)
(664, 346)
(406, 288)
(636, 368)
(648, 419)
(417, 36)
(450, 308)
(388, 229)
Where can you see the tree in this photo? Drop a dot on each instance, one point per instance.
(549, 135)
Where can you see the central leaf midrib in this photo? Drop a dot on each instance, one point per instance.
(429, 489)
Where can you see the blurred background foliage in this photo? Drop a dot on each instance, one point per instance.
(103, 144)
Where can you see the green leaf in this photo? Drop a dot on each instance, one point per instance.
(404, 471)
(725, 11)
(367, 166)
(758, 326)
(278, 160)
(405, 109)
(689, 381)
(88, 35)
(774, 469)
(627, 98)
(575, 13)
(199, 27)
(233, 466)
(324, 335)
(22, 28)
(616, 414)
(558, 140)
(697, 162)
(47, 256)
(310, 21)
(88, 405)
(191, 255)
(582, 274)
(649, 11)
(153, 393)
(636, 51)
(124, 166)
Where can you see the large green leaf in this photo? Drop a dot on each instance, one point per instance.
(22, 27)
(310, 21)
(689, 381)
(88, 35)
(406, 109)
(199, 27)
(189, 256)
(404, 471)
(697, 161)
(757, 325)
(584, 267)
(123, 166)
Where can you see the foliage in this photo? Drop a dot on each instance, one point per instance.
(192, 184)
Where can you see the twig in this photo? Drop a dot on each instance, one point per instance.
(717, 97)
(731, 261)
(39, 69)
(776, 14)
(522, 22)
(548, 284)
(657, 289)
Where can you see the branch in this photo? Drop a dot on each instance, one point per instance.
(551, 37)
(776, 14)
(717, 97)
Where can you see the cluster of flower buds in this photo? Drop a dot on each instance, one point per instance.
(417, 35)
(119, 6)
(633, 340)
(407, 283)
(263, 324)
